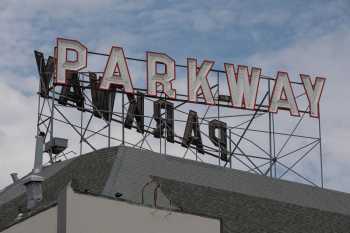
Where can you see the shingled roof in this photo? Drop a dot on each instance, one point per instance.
(243, 201)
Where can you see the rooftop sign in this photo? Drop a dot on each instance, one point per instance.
(243, 82)
(169, 104)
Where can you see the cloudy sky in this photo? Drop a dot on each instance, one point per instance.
(311, 37)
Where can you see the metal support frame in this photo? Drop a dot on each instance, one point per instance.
(268, 158)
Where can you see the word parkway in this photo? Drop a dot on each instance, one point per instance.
(243, 83)
(71, 57)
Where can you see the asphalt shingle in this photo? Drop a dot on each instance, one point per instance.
(244, 202)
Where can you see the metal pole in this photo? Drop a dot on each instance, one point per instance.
(230, 147)
(52, 118)
(270, 134)
(81, 127)
(160, 137)
(39, 115)
(162, 123)
(321, 153)
(123, 131)
(218, 94)
(109, 117)
(81, 132)
(274, 145)
(166, 131)
(39, 101)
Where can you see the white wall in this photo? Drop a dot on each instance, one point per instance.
(44, 222)
(91, 214)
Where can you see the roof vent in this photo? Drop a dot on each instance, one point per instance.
(14, 177)
(33, 182)
(33, 190)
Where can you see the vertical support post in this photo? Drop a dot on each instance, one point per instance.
(273, 149)
(123, 120)
(166, 133)
(321, 153)
(218, 108)
(81, 126)
(39, 101)
(39, 115)
(270, 133)
(274, 145)
(81, 133)
(160, 145)
(51, 120)
(160, 137)
(109, 117)
(230, 146)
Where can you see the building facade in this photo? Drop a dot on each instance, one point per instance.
(122, 189)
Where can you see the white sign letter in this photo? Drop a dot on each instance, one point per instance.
(64, 64)
(283, 96)
(117, 71)
(197, 80)
(243, 86)
(313, 93)
(165, 78)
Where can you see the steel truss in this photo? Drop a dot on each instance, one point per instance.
(255, 142)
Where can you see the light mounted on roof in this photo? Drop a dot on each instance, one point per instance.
(56, 145)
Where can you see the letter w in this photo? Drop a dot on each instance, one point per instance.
(243, 85)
